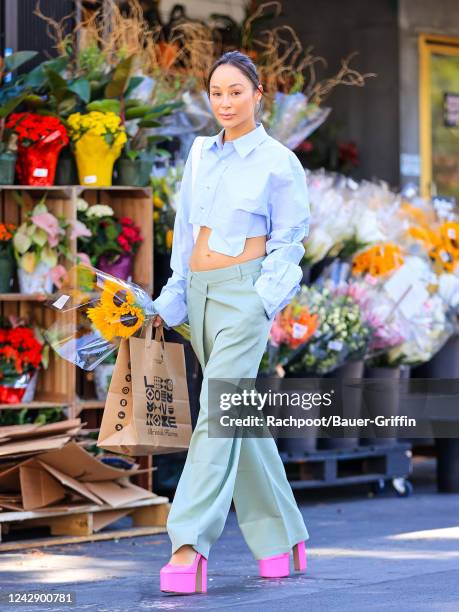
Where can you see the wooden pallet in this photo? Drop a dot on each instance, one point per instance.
(84, 523)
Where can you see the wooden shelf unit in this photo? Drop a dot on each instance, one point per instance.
(62, 384)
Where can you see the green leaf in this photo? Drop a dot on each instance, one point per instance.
(138, 112)
(105, 106)
(57, 84)
(40, 237)
(149, 123)
(120, 79)
(49, 256)
(67, 106)
(133, 103)
(21, 242)
(82, 89)
(133, 83)
(132, 155)
(14, 61)
(9, 107)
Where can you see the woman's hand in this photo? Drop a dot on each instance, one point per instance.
(157, 321)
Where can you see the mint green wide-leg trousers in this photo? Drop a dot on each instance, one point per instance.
(229, 332)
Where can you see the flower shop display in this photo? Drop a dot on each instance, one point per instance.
(141, 150)
(119, 310)
(340, 335)
(110, 242)
(97, 139)
(7, 261)
(22, 352)
(39, 141)
(39, 242)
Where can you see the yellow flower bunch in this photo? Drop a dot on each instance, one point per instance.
(378, 260)
(97, 124)
(116, 315)
(442, 245)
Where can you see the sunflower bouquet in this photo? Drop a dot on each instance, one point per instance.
(108, 310)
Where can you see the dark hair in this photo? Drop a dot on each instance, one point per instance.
(241, 61)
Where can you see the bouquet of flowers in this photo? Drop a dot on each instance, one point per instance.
(38, 243)
(341, 334)
(39, 139)
(22, 352)
(293, 118)
(111, 242)
(108, 309)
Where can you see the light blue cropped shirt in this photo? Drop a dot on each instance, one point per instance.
(250, 186)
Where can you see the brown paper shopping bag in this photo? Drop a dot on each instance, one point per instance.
(147, 411)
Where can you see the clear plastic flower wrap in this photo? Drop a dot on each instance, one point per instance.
(293, 118)
(96, 311)
(340, 333)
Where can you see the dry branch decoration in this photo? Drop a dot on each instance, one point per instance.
(183, 58)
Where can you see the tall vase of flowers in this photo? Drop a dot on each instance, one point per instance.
(97, 139)
(39, 141)
(7, 263)
(110, 242)
(22, 352)
(38, 243)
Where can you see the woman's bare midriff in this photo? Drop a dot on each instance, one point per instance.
(202, 258)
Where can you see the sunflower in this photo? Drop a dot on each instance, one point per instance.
(112, 321)
(115, 295)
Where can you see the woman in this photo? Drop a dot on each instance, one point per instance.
(250, 205)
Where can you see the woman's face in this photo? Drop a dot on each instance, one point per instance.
(232, 96)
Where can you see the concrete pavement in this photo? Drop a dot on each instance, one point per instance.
(366, 553)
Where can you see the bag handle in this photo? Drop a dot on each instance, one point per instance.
(158, 337)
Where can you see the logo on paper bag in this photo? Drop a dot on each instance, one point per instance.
(159, 400)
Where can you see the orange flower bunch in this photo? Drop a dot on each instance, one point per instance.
(378, 260)
(298, 327)
(442, 245)
(6, 231)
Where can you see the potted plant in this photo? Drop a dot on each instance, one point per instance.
(40, 139)
(141, 149)
(22, 352)
(97, 139)
(7, 262)
(38, 243)
(110, 242)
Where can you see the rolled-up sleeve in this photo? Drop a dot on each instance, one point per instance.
(171, 303)
(281, 273)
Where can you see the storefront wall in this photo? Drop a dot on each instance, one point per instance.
(415, 18)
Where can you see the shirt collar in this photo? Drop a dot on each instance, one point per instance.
(244, 144)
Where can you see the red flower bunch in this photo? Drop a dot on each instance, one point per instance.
(130, 238)
(32, 128)
(20, 351)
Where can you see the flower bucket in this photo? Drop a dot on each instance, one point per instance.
(36, 164)
(121, 268)
(7, 272)
(66, 171)
(38, 281)
(134, 172)
(7, 168)
(102, 377)
(13, 390)
(95, 159)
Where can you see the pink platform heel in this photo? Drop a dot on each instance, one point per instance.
(185, 578)
(278, 566)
